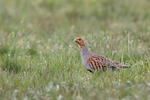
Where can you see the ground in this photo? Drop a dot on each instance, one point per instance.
(40, 61)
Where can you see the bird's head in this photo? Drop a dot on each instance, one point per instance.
(79, 41)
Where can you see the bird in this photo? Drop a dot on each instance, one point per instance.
(94, 62)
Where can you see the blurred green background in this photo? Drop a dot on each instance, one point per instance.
(40, 61)
(102, 15)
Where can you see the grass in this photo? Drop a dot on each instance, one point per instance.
(40, 61)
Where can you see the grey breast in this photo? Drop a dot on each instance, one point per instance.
(85, 54)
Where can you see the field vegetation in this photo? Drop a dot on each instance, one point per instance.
(40, 61)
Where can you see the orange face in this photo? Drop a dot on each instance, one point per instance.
(80, 42)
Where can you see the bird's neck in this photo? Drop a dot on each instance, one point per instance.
(84, 50)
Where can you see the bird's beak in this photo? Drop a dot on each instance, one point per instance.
(75, 40)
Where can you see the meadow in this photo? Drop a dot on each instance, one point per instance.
(40, 61)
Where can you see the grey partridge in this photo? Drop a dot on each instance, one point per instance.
(94, 62)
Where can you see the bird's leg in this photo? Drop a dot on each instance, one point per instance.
(90, 70)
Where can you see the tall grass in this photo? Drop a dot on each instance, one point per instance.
(39, 60)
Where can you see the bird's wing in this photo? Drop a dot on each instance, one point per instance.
(97, 62)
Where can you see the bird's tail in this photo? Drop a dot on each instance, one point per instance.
(126, 66)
